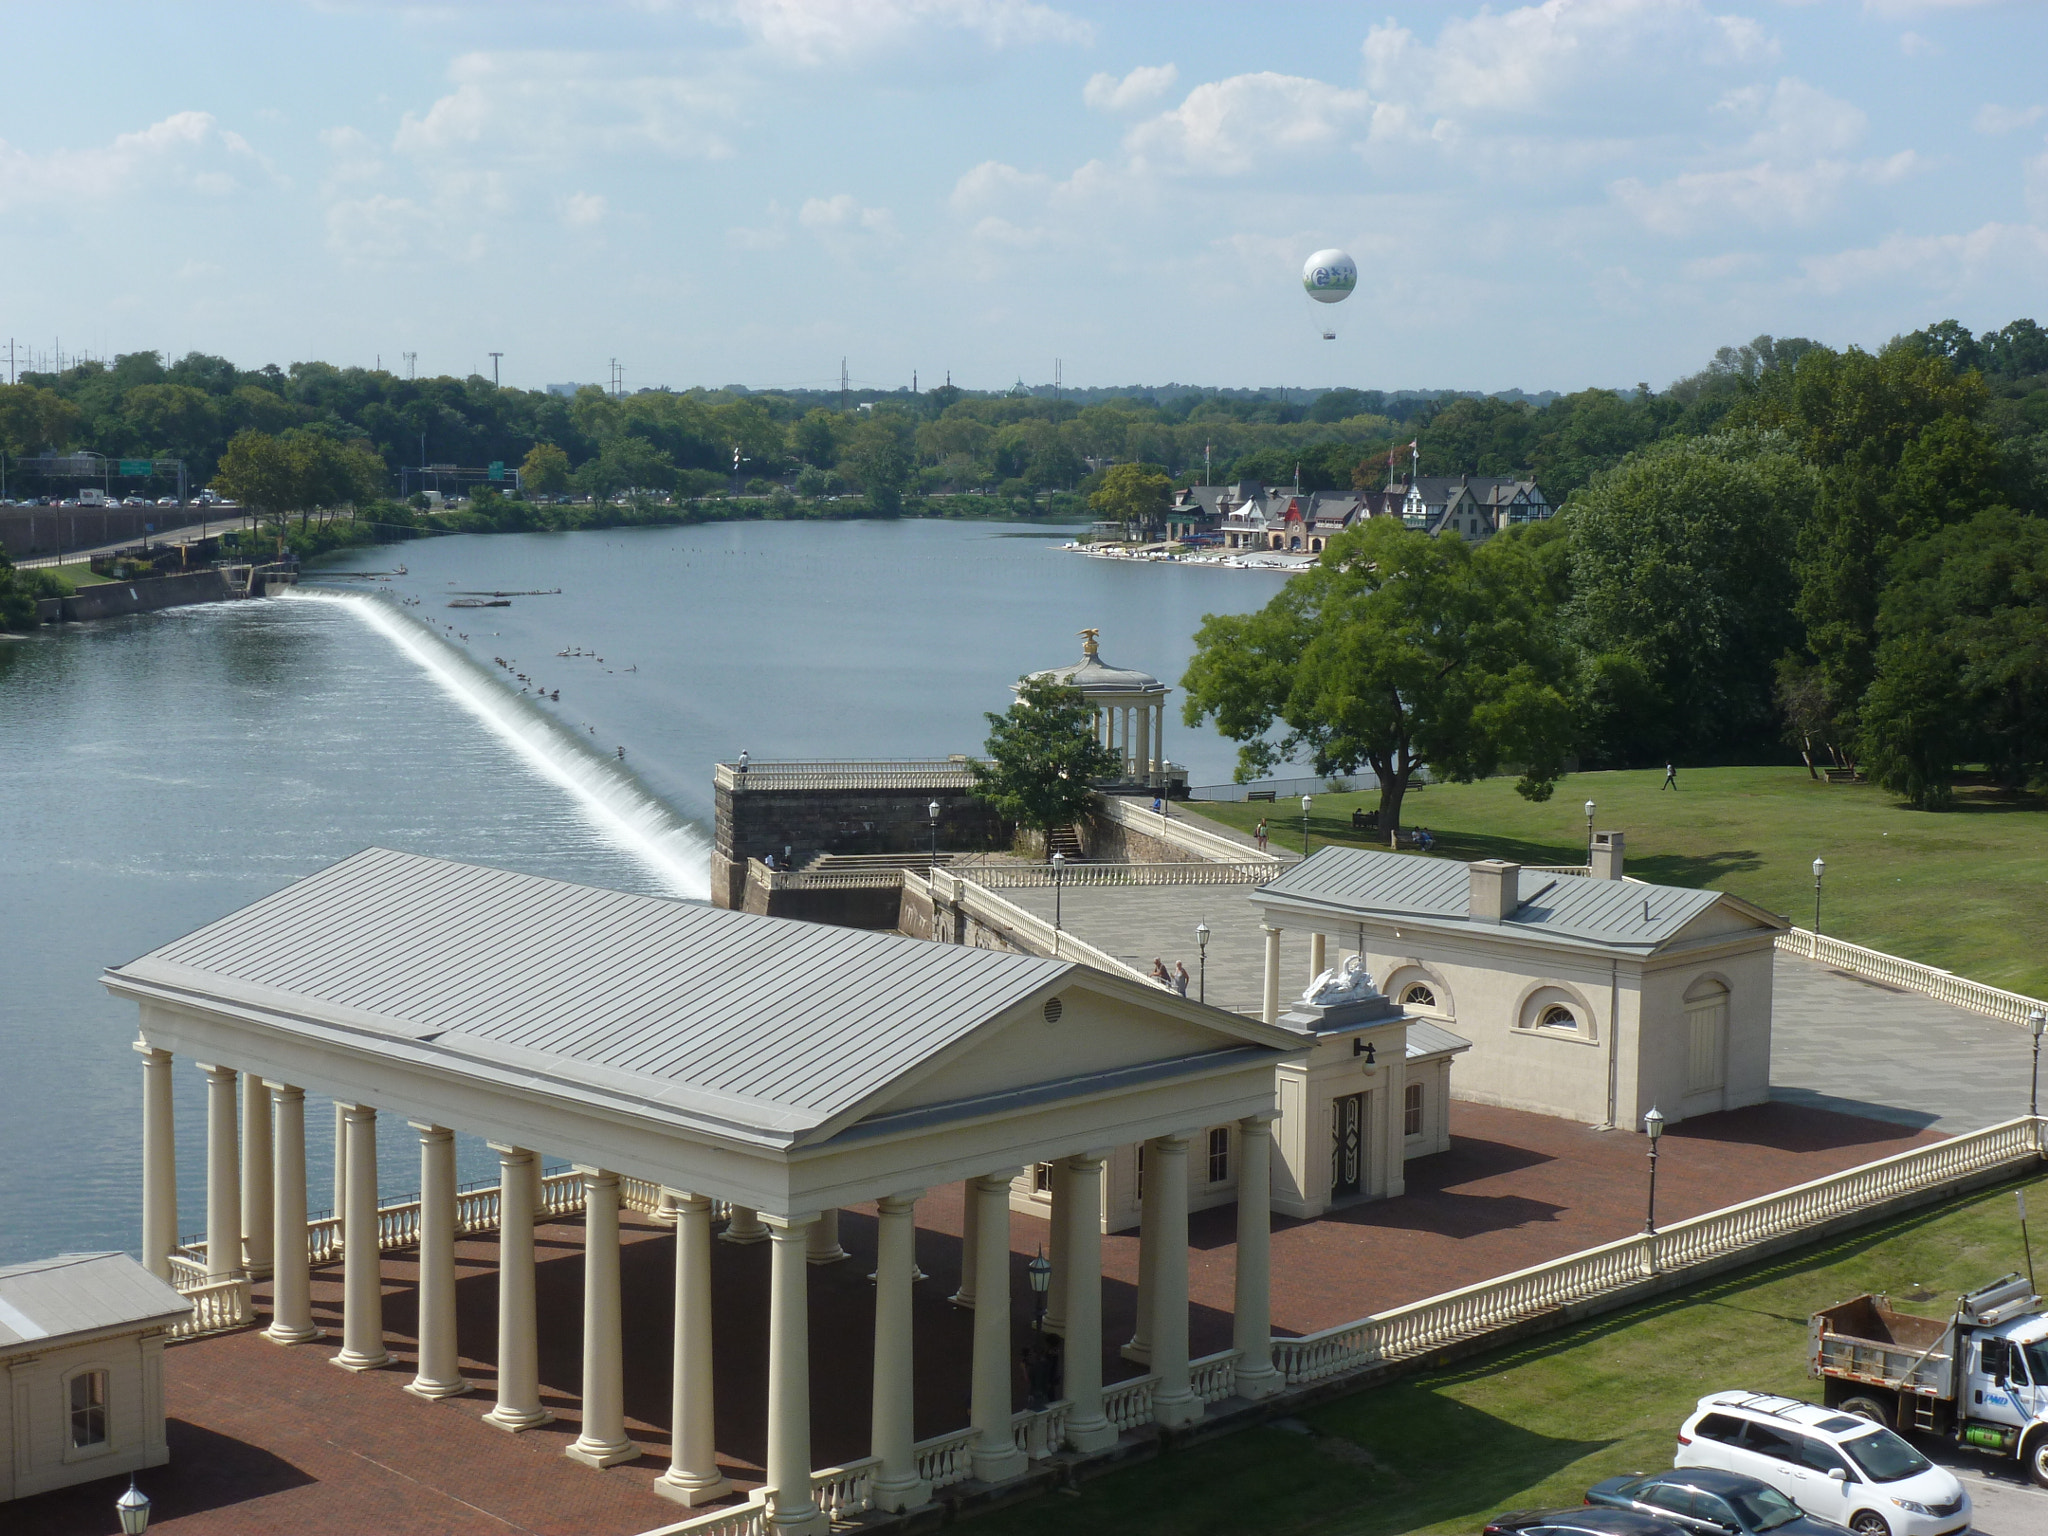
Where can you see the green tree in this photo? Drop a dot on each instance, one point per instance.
(545, 470)
(1394, 652)
(1136, 496)
(32, 419)
(1043, 757)
(878, 459)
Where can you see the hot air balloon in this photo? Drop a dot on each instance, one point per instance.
(1328, 278)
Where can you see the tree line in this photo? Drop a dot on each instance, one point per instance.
(1842, 553)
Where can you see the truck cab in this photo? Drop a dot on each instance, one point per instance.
(2007, 1381)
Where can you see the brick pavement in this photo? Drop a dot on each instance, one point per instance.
(266, 1439)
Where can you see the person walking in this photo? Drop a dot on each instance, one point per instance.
(1259, 834)
(1180, 977)
(1670, 777)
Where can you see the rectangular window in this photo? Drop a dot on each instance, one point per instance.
(1041, 1178)
(88, 1409)
(1141, 1173)
(1411, 1111)
(1219, 1154)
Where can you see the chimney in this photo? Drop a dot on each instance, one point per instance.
(1606, 859)
(1494, 890)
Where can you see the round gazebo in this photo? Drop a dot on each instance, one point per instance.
(1130, 712)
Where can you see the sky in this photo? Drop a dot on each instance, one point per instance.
(1550, 196)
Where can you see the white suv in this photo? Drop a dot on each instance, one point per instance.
(1831, 1464)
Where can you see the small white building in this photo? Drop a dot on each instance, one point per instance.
(82, 1359)
(1591, 998)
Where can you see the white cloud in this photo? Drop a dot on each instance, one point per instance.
(1229, 127)
(187, 149)
(375, 229)
(1994, 119)
(1942, 263)
(839, 216)
(823, 31)
(543, 106)
(2034, 186)
(1140, 88)
(581, 210)
(1914, 46)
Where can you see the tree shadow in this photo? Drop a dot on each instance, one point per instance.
(1789, 1124)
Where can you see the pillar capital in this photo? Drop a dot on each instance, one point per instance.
(1085, 1163)
(430, 1131)
(1173, 1143)
(792, 1228)
(1000, 1179)
(149, 1052)
(1260, 1124)
(290, 1092)
(591, 1175)
(683, 1200)
(216, 1072)
(902, 1203)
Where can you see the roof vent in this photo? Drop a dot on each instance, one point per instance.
(1053, 1009)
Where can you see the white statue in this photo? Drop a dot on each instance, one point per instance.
(1335, 987)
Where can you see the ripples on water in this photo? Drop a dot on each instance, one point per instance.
(159, 771)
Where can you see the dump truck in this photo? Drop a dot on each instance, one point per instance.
(1980, 1378)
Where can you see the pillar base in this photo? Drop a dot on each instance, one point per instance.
(1084, 1438)
(691, 1492)
(259, 1271)
(914, 1493)
(816, 1523)
(1136, 1353)
(436, 1389)
(999, 1466)
(513, 1423)
(278, 1335)
(756, 1234)
(962, 1298)
(1253, 1385)
(354, 1362)
(830, 1255)
(602, 1453)
(1172, 1412)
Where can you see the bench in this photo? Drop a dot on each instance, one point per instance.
(1270, 796)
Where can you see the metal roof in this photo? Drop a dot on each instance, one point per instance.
(80, 1293)
(1620, 914)
(1427, 1039)
(761, 1025)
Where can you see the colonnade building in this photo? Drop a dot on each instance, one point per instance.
(770, 1070)
(1130, 713)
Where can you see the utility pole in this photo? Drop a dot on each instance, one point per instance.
(10, 359)
(494, 368)
(842, 386)
(1055, 388)
(411, 358)
(618, 380)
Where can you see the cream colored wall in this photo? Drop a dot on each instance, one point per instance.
(36, 1415)
(1301, 1181)
(1435, 1078)
(1747, 971)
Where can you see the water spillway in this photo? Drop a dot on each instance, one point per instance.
(604, 791)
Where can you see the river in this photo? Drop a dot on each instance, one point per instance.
(159, 771)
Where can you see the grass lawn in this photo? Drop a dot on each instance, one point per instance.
(75, 576)
(1966, 890)
(1538, 1423)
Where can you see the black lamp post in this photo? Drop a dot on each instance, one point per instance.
(1305, 799)
(2037, 1021)
(1202, 992)
(932, 811)
(1589, 834)
(1059, 889)
(133, 1508)
(1819, 868)
(1040, 1271)
(1653, 1123)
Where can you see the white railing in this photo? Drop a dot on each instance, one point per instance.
(748, 1519)
(999, 877)
(1033, 932)
(216, 1307)
(1214, 1377)
(911, 773)
(822, 879)
(945, 1460)
(1128, 1404)
(1556, 869)
(1478, 1309)
(843, 1492)
(1201, 843)
(1944, 986)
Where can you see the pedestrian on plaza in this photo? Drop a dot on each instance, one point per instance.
(1670, 776)
(1259, 834)
(1161, 975)
(1180, 977)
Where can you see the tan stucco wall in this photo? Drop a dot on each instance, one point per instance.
(35, 1413)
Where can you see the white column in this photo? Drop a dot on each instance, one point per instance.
(1087, 1429)
(159, 1163)
(1139, 1349)
(1270, 1011)
(970, 1226)
(1144, 753)
(1316, 951)
(603, 1442)
(518, 1405)
(223, 1176)
(1056, 1290)
(340, 1159)
(1394, 1141)
(440, 1367)
(824, 1240)
(291, 1302)
(257, 1215)
(666, 1205)
(1130, 731)
(362, 1262)
(1166, 1189)
(995, 1453)
(897, 1485)
(744, 1226)
(692, 1477)
(1251, 1310)
(1159, 738)
(793, 1511)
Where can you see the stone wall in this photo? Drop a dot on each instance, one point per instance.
(26, 531)
(146, 596)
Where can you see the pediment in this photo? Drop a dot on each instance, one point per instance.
(1728, 916)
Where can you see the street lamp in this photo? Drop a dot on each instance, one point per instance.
(1589, 834)
(1040, 1271)
(133, 1508)
(1305, 799)
(2037, 1021)
(1653, 1122)
(932, 811)
(1059, 885)
(1202, 994)
(1819, 867)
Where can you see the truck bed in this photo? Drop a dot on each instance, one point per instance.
(1864, 1340)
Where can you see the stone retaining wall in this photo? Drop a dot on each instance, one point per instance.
(146, 596)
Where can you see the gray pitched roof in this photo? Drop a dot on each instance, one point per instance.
(79, 1293)
(1427, 1039)
(755, 1022)
(1618, 914)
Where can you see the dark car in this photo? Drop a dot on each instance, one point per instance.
(1583, 1520)
(1706, 1501)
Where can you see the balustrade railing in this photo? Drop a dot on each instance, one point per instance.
(945, 1460)
(999, 877)
(1943, 986)
(1128, 1404)
(1200, 842)
(217, 1306)
(843, 1492)
(1214, 1377)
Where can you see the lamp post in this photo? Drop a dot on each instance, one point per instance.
(2037, 1021)
(932, 811)
(1589, 834)
(1059, 887)
(133, 1508)
(1819, 868)
(1305, 799)
(1653, 1123)
(1202, 986)
(1040, 1271)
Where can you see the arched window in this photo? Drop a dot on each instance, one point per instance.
(1554, 1011)
(1557, 1016)
(1418, 995)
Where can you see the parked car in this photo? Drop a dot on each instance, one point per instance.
(1710, 1502)
(1831, 1464)
(167, 501)
(1582, 1520)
